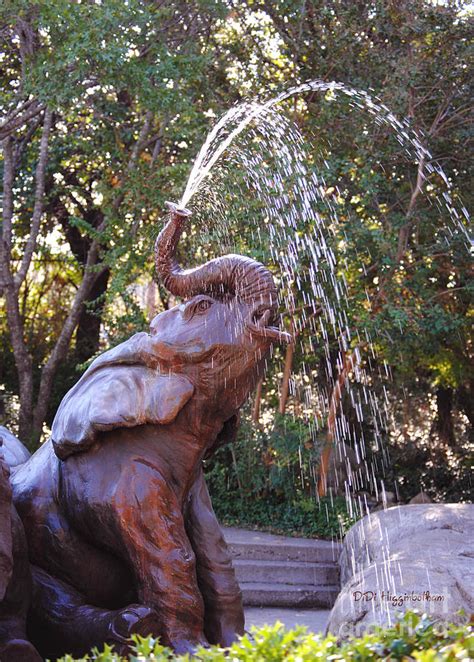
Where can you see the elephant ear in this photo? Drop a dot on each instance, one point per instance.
(6, 543)
(116, 396)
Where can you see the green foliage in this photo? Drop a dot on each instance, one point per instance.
(416, 465)
(127, 84)
(266, 481)
(413, 637)
(307, 518)
(409, 281)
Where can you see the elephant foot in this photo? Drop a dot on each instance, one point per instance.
(19, 650)
(181, 646)
(138, 619)
(227, 637)
(134, 619)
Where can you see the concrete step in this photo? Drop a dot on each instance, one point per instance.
(265, 546)
(299, 596)
(286, 572)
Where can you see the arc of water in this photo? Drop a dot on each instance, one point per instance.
(291, 181)
(202, 167)
(207, 156)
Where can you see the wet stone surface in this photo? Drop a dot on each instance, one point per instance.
(407, 557)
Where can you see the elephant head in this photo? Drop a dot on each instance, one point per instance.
(230, 313)
(232, 278)
(212, 346)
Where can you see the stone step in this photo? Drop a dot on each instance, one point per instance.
(265, 546)
(286, 572)
(256, 594)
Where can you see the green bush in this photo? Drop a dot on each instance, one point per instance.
(414, 637)
(308, 518)
(265, 480)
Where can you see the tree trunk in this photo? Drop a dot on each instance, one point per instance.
(23, 363)
(336, 396)
(289, 355)
(33, 410)
(444, 423)
(63, 342)
(465, 396)
(257, 403)
(88, 328)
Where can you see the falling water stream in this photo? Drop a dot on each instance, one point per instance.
(256, 153)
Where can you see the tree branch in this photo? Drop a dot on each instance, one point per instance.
(21, 355)
(14, 121)
(62, 343)
(348, 365)
(7, 214)
(444, 292)
(39, 200)
(137, 148)
(142, 136)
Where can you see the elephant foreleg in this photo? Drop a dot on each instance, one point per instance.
(150, 536)
(62, 622)
(224, 616)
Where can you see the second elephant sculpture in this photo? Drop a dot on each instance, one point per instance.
(15, 577)
(120, 526)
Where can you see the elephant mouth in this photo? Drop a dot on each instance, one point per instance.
(188, 353)
(258, 325)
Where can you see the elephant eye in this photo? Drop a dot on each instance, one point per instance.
(197, 307)
(203, 305)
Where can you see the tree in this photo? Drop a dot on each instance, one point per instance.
(408, 287)
(98, 100)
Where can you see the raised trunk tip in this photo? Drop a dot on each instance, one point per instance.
(175, 210)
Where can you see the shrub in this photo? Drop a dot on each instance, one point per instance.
(326, 518)
(413, 637)
(266, 481)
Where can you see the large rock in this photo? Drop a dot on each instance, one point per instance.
(408, 557)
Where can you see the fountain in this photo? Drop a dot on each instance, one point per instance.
(313, 288)
(301, 245)
(119, 523)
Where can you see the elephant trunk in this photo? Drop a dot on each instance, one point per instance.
(230, 275)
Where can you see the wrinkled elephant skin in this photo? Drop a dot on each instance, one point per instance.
(120, 525)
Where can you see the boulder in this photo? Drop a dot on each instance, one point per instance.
(386, 500)
(404, 558)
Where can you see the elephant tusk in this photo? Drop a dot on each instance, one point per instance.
(264, 319)
(260, 328)
(281, 336)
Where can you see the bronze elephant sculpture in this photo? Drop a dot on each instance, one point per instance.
(15, 577)
(120, 526)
